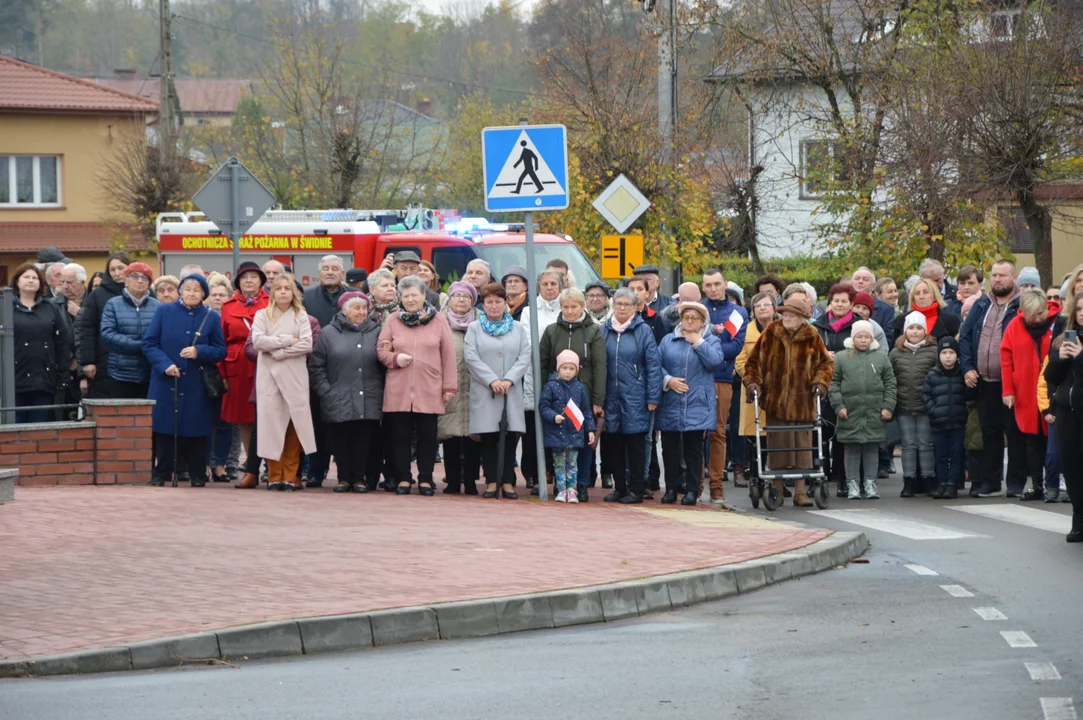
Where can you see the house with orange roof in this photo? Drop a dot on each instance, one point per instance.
(57, 132)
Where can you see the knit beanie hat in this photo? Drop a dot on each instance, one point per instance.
(567, 357)
(866, 300)
(862, 326)
(1029, 276)
(915, 318)
(947, 343)
(464, 287)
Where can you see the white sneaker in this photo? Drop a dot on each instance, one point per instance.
(853, 491)
(573, 496)
(562, 496)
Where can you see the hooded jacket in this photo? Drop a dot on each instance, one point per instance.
(124, 323)
(346, 372)
(946, 396)
(696, 364)
(585, 338)
(554, 398)
(910, 368)
(721, 311)
(92, 350)
(970, 332)
(863, 385)
(1021, 359)
(633, 377)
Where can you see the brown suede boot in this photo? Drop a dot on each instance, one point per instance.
(248, 481)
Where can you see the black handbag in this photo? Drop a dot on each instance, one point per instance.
(213, 385)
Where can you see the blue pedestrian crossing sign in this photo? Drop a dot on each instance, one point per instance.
(525, 168)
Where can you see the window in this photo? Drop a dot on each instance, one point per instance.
(1003, 24)
(451, 262)
(817, 167)
(1015, 224)
(32, 180)
(501, 257)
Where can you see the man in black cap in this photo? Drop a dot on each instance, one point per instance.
(657, 301)
(356, 277)
(407, 263)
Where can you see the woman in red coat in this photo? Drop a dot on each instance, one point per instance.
(238, 371)
(1023, 349)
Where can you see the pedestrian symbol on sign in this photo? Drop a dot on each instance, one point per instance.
(525, 164)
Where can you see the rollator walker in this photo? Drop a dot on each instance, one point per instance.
(762, 487)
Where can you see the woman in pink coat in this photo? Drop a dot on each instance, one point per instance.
(282, 335)
(417, 347)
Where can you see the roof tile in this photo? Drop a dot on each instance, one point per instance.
(28, 88)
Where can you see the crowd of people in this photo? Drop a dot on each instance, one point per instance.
(384, 370)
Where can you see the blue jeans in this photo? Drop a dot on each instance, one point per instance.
(585, 461)
(1052, 460)
(219, 443)
(949, 447)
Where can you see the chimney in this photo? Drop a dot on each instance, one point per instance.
(424, 106)
(124, 74)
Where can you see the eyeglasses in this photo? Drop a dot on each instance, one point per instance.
(623, 305)
(139, 276)
(596, 296)
(460, 296)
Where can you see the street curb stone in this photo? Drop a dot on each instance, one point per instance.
(174, 651)
(470, 618)
(271, 639)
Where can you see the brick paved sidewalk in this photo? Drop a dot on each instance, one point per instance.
(86, 567)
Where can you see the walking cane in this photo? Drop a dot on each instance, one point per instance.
(500, 447)
(176, 424)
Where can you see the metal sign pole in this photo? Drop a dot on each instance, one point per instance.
(7, 355)
(235, 210)
(535, 360)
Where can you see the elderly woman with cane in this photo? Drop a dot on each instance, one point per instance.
(497, 351)
(183, 342)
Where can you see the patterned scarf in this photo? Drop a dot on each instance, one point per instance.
(413, 319)
(381, 311)
(496, 328)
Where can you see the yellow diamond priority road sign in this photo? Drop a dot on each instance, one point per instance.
(620, 255)
(621, 203)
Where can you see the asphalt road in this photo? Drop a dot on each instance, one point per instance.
(869, 640)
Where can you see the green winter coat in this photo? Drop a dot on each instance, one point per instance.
(910, 370)
(973, 428)
(863, 385)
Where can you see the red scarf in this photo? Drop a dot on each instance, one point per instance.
(837, 324)
(931, 313)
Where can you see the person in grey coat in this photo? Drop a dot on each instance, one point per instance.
(348, 378)
(497, 351)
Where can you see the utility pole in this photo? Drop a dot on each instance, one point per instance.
(667, 106)
(166, 120)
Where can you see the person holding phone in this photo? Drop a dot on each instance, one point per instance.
(1064, 375)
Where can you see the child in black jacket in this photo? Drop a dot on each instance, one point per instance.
(946, 395)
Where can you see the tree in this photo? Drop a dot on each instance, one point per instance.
(1017, 90)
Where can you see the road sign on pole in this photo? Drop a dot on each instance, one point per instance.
(621, 203)
(233, 199)
(525, 168)
(620, 255)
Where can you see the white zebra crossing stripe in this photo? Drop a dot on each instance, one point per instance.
(921, 570)
(1042, 671)
(986, 613)
(1020, 515)
(956, 591)
(1058, 708)
(896, 524)
(1018, 639)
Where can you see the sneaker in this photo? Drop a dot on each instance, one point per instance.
(572, 496)
(870, 490)
(1031, 495)
(1052, 496)
(562, 496)
(990, 493)
(853, 492)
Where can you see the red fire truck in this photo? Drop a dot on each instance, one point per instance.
(362, 238)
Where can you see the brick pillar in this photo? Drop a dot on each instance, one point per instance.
(122, 433)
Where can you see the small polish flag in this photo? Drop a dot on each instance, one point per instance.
(574, 414)
(734, 323)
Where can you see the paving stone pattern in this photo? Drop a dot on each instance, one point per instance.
(87, 567)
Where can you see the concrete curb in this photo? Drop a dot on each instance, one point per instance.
(470, 618)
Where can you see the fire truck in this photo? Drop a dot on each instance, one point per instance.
(362, 238)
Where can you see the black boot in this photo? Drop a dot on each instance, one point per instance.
(950, 492)
(908, 488)
(690, 498)
(840, 490)
(939, 492)
(670, 497)
(607, 481)
(1076, 535)
(930, 486)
